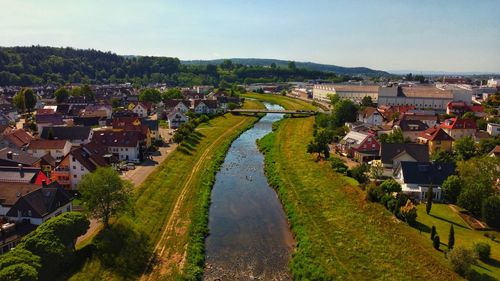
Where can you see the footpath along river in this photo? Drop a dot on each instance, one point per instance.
(249, 234)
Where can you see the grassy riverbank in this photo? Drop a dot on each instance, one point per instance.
(339, 235)
(171, 209)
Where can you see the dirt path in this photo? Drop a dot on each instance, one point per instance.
(174, 217)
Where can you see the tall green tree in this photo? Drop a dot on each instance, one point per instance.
(465, 148)
(451, 238)
(25, 100)
(104, 194)
(430, 197)
(87, 93)
(491, 211)
(367, 101)
(150, 95)
(61, 94)
(344, 111)
(451, 188)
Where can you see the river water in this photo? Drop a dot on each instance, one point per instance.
(249, 234)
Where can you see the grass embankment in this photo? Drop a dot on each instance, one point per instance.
(286, 102)
(171, 206)
(339, 235)
(442, 216)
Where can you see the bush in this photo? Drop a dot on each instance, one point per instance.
(491, 211)
(436, 242)
(373, 192)
(461, 260)
(359, 173)
(390, 186)
(409, 212)
(482, 250)
(338, 165)
(433, 232)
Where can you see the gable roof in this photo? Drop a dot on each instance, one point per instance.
(41, 202)
(354, 139)
(47, 144)
(67, 133)
(495, 151)
(90, 156)
(435, 134)
(17, 157)
(19, 137)
(18, 174)
(388, 151)
(55, 119)
(170, 103)
(10, 192)
(458, 124)
(426, 173)
(209, 103)
(117, 139)
(411, 125)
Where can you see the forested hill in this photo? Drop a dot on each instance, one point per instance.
(37, 65)
(352, 71)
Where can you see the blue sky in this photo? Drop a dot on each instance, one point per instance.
(389, 35)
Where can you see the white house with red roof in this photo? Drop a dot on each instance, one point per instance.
(458, 128)
(142, 109)
(370, 115)
(56, 148)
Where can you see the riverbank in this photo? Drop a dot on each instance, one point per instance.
(170, 207)
(339, 235)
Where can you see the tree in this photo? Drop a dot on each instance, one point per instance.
(396, 136)
(320, 143)
(359, 173)
(61, 94)
(430, 197)
(87, 93)
(487, 145)
(223, 85)
(334, 99)
(292, 66)
(19, 264)
(390, 186)
(376, 170)
(367, 101)
(150, 95)
(436, 242)
(433, 232)
(443, 156)
(338, 165)
(491, 211)
(104, 194)
(465, 148)
(344, 111)
(482, 250)
(451, 238)
(468, 115)
(173, 93)
(25, 100)
(461, 260)
(478, 176)
(451, 188)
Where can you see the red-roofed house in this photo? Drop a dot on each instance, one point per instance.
(16, 138)
(459, 128)
(56, 148)
(142, 108)
(436, 138)
(124, 145)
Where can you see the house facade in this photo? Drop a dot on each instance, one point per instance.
(370, 115)
(437, 139)
(56, 148)
(458, 128)
(493, 129)
(358, 145)
(176, 119)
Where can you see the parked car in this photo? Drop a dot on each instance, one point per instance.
(130, 166)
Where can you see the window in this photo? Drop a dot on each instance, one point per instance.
(74, 176)
(81, 168)
(74, 167)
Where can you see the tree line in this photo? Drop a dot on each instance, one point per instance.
(37, 65)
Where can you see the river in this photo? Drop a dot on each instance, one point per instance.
(249, 234)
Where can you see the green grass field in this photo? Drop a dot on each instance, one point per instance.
(442, 216)
(172, 204)
(339, 235)
(286, 102)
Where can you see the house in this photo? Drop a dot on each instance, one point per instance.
(98, 110)
(153, 126)
(40, 204)
(76, 135)
(410, 128)
(13, 157)
(370, 115)
(363, 147)
(133, 124)
(495, 152)
(176, 119)
(50, 120)
(79, 162)
(391, 154)
(437, 139)
(16, 138)
(18, 174)
(417, 177)
(168, 106)
(224, 102)
(493, 129)
(56, 148)
(89, 121)
(458, 128)
(457, 108)
(205, 107)
(430, 118)
(124, 145)
(142, 109)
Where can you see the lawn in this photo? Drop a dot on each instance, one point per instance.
(442, 216)
(172, 204)
(286, 102)
(339, 235)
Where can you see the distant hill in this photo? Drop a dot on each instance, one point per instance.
(352, 71)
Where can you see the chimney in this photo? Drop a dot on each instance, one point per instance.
(9, 155)
(44, 183)
(21, 171)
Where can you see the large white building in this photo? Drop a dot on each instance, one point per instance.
(356, 93)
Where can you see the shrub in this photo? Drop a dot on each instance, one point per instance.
(482, 250)
(338, 165)
(358, 173)
(461, 260)
(491, 211)
(451, 238)
(409, 213)
(433, 232)
(373, 192)
(390, 186)
(436, 242)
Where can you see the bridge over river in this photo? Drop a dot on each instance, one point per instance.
(292, 112)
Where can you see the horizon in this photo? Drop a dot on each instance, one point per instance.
(325, 32)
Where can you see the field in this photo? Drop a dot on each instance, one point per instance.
(170, 211)
(442, 216)
(286, 102)
(339, 235)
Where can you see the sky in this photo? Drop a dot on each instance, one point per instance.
(444, 35)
